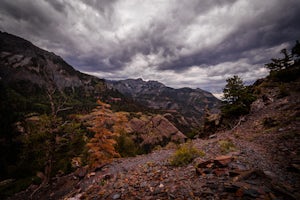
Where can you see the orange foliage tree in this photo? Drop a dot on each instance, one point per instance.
(101, 146)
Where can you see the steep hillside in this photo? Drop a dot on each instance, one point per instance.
(41, 132)
(29, 71)
(258, 159)
(32, 83)
(190, 103)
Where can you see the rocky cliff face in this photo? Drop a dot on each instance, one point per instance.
(190, 103)
(22, 62)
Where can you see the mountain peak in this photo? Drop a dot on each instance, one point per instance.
(191, 103)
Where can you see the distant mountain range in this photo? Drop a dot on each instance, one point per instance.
(28, 73)
(191, 103)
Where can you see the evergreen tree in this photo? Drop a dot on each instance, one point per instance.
(278, 64)
(296, 52)
(237, 98)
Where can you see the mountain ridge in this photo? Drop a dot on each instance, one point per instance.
(191, 103)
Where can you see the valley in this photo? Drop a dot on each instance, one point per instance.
(68, 135)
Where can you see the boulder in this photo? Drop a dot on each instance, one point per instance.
(156, 130)
(223, 161)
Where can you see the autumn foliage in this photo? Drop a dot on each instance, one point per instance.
(101, 145)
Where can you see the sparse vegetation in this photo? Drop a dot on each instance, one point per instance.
(185, 154)
(171, 145)
(285, 69)
(126, 146)
(226, 146)
(279, 64)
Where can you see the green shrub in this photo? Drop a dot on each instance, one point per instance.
(226, 146)
(126, 147)
(185, 154)
(191, 134)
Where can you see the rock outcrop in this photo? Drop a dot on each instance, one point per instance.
(155, 130)
(184, 102)
(147, 131)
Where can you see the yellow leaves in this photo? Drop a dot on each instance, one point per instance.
(101, 145)
(185, 154)
(102, 104)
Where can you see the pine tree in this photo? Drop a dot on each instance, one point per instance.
(237, 98)
(296, 52)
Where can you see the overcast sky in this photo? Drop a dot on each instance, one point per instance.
(181, 43)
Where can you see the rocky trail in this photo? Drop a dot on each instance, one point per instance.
(237, 175)
(246, 172)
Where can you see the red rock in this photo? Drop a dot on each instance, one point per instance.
(220, 172)
(223, 161)
(205, 164)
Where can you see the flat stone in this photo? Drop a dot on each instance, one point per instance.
(223, 160)
(172, 196)
(238, 166)
(212, 136)
(116, 196)
(205, 164)
(270, 174)
(91, 174)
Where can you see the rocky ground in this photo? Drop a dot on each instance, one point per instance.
(258, 159)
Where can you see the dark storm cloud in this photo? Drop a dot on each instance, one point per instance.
(35, 21)
(59, 6)
(23, 11)
(104, 6)
(187, 40)
(268, 31)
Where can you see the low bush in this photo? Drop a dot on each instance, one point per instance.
(226, 146)
(126, 147)
(185, 154)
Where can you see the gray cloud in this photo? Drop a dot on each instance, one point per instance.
(180, 43)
